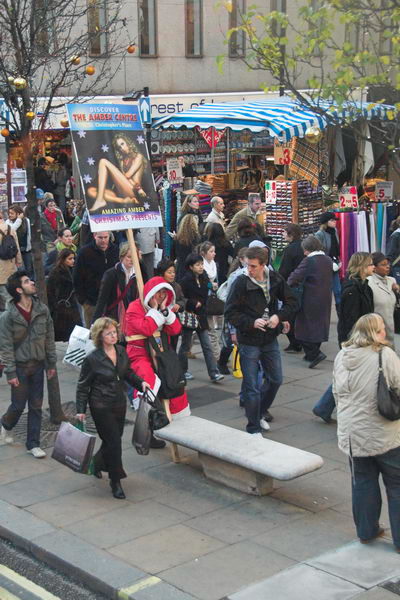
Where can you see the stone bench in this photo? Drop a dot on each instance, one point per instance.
(236, 458)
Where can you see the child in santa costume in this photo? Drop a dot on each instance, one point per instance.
(150, 318)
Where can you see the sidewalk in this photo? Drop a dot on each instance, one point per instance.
(178, 536)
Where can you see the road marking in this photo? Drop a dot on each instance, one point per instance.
(124, 593)
(6, 595)
(34, 591)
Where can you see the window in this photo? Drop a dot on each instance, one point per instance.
(278, 6)
(97, 19)
(352, 35)
(237, 42)
(147, 27)
(46, 39)
(194, 27)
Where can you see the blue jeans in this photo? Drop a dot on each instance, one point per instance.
(367, 500)
(29, 390)
(325, 405)
(258, 398)
(336, 287)
(206, 347)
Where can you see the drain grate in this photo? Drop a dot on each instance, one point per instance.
(49, 430)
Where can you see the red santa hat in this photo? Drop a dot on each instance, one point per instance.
(154, 285)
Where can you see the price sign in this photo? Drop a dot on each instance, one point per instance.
(270, 192)
(384, 191)
(348, 197)
(282, 153)
(174, 170)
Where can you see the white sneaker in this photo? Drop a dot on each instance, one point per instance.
(37, 452)
(264, 425)
(257, 435)
(5, 436)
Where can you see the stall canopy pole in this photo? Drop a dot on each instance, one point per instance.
(136, 263)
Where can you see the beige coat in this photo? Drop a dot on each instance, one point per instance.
(8, 267)
(231, 230)
(355, 383)
(216, 217)
(384, 301)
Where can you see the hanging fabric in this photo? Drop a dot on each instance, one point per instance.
(372, 233)
(384, 229)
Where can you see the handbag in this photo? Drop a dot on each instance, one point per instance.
(215, 306)
(236, 368)
(73, 448)
(150, 417)
(157, 415)
(388, 399)
(222, 291)
(168, 368)
(188, 320)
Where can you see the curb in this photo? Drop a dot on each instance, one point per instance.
(97, 569)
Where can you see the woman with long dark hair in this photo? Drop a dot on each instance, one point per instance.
(61, 296)
(214, 233)
(187, 238)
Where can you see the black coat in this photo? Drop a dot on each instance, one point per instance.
(222, 254)
(313, 319)
(112, 287)
(181, 253)
(357, 300)
(91, 264)
(43, 181)
(62, 303)
(195, 293)
(393, 247)
(246, 302)
(244, 242)
(101, 384)
(292, 256)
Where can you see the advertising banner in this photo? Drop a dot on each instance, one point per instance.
(114, 166)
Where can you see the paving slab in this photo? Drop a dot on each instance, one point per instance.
(126, 523)
(246, 519)
(299, 583)
(366, 565)
(377, 593)
(309, 535)
(220, 573)
(44, 486)
(303, 435)
(160, 591)
(21, 466)
(19, 526)
(166, 548)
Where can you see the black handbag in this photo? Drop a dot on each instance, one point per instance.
(215, 306)
(388, 399)
(141, 436)
(157, 415)
(168, 368)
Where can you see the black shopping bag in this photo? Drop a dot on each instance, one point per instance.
(142, 433)
(73, 448)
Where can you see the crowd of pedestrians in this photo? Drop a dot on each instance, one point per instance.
(220, 285)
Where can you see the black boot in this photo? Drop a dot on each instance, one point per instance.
(117, 490)
(157, 444)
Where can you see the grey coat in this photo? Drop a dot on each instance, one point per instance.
(315, 274)
(22, 341)
(384, 301)
(325, 239)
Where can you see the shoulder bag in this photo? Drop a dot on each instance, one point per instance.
(388, 399)
(188, 320)
(214, 306)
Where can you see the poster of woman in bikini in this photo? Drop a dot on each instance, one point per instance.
(115, 170)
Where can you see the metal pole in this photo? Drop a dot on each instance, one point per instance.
(146, 93)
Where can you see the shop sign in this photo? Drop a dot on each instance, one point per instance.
(282, 153)
(270, 192)
(174, 170)
(384, 191)
(211, 135)
(348, 197)
(114, 166)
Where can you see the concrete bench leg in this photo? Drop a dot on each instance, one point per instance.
(175, 453)
(236, 477)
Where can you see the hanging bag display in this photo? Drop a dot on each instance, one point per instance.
(388, 399)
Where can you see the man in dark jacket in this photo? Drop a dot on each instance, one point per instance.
(252, 308)
(92, 262)
(291, 258)
(27, 349)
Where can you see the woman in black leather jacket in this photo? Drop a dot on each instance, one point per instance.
(102, 385)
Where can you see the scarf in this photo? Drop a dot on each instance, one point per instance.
(52, 218)
(210, 268)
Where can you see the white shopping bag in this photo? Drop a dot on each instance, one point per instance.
(158, 254)
(79, 346)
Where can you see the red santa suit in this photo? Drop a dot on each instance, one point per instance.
(142, 320)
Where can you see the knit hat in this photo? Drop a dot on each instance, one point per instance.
(327, 216)
(257, 244)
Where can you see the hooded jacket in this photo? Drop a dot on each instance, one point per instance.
(361, 428)
(246, 302)
(22, 341)
(143, 321)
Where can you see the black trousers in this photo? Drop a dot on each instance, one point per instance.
(311, 349)
(110, 427)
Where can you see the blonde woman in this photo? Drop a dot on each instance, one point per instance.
(371, 441)
(102, 385)
(191, 206)
(356, 301)
(187, 238)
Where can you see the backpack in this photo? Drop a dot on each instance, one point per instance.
(8, 245)
(168, 368)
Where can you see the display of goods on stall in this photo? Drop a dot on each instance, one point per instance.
(292, 202)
